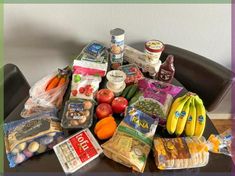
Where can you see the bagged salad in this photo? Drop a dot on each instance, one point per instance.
(29, 137)
(155, 98)
(132, 141)
(180, 153)
(46, 95)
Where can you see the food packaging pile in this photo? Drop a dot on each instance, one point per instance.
(115, 111)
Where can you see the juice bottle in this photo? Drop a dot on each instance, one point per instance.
(167, 70)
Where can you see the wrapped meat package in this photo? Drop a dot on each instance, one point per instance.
(180, 153)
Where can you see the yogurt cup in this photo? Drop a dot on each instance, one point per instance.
(116, 79)
(153, 50)
(117, 92)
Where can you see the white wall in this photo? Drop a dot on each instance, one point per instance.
(40, 38)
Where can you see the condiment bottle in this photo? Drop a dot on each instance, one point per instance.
(167, 70)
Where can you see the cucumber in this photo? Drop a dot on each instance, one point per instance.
(126, 90)
(135, 97)
(131, 92)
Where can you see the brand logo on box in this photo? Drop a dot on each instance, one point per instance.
(83, 146)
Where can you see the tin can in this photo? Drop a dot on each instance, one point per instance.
(117, 40)
(116, 60)
(153, 50)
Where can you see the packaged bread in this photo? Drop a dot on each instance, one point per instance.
(132, 141)
(180, 153)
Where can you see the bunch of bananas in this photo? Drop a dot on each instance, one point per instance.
(187, 114)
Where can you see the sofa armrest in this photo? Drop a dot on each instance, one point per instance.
(210, 80)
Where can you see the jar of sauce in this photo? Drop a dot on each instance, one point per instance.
(167, 70)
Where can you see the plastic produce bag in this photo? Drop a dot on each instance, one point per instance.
(180, 153)
(44, 97)
(221, 143)
(28, 137)
(132, 141)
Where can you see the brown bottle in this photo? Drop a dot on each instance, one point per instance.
(167, 70)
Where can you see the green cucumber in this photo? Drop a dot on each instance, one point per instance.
(135, 97)
(131, 92)
(126, 90)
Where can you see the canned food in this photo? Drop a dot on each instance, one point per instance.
(116, 60)
(117, 40)
(153, 50)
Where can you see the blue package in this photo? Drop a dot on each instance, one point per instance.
(32, 136)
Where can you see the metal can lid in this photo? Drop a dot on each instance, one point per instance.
(117, 32)
(154, 46)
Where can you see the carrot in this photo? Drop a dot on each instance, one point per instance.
(62, 81)
(53, 83)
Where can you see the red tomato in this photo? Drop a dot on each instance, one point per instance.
(81, 90)
(105, 96)
(119, 105)
(103, 110)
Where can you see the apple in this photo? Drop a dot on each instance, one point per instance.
(103, 110)
(105, 96)
(119, 105)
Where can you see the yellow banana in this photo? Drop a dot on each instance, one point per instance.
(183, 117)
(174, 114)
(191, 119)
(201, 117)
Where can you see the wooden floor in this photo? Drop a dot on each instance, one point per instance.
(222, 125)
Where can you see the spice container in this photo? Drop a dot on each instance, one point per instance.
(153, 50)
(117, 47)
(78, 114)
(133, 74)
(77, 151)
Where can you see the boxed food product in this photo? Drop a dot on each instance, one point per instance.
(134, 56)
(78, 114)
(84, 86)
(133, 74)
(77, 151)
(180, 153)
(132, 141)
(28, 137)
(94, 49)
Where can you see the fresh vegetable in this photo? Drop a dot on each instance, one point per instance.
(131, 92)
(135, 97)
(62, 81)
(105, 96)
(103, 110)
(53, 83)
(126, 90)
(119, 105)
(105, 128)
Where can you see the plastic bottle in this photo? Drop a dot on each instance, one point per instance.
(167, 70)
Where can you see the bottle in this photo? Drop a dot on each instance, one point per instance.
(167, 70)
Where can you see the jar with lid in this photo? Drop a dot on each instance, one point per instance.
(153, 50)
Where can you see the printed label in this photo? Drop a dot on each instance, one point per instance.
(83, 147)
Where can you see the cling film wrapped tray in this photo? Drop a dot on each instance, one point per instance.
(132, 141)
(180, 153)
(28, 137)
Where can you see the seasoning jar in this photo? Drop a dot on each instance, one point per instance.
(153, 50)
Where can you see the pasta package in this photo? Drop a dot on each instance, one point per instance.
(28, 137)
(180, 153)
(132, 141)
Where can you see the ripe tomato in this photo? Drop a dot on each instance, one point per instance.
(119, 105)
(103, 110)
(105, 96)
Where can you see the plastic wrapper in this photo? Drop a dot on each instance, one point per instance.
(133, 74)
(29, 137)
(156, 98)
(77, 151)
(221, 143)
(84, 86)
(132, 141)
(41, 101)
(180, 153)
(78, 114)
